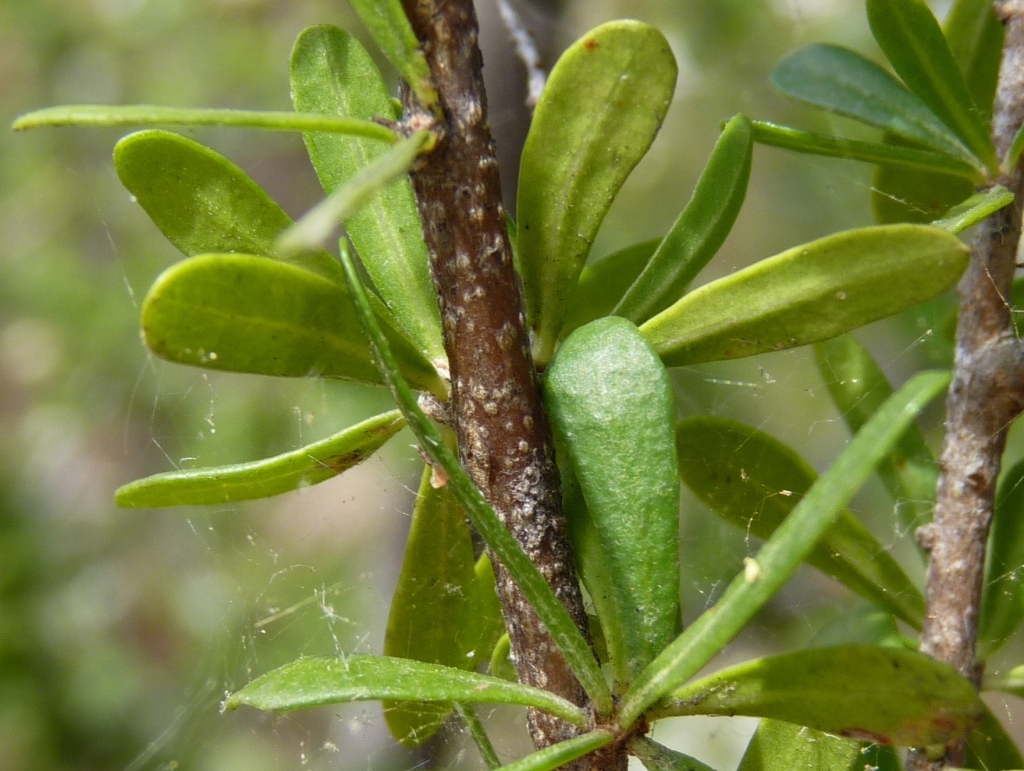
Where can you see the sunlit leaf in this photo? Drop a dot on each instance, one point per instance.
(315, 681)
(332, 73)
(808, 293)
(603, 283)
(1002, 605)
(975, 37)
(842, 81)
(293, 470)
(603, 104)
(558, 755)
(781, 746)
(911, 38)
(779, 558)
(886, 695)
(755, 482)
(976, 208)
(658, 758)
(611, 405)
(243, 313)
(699, 231)
(203, 203)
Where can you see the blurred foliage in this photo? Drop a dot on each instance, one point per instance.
(120, 632)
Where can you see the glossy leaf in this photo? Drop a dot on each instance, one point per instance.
(781, 746)
(315, 681)
(603, 283)
(885, 695)
(534, 587)
(911, 38)
(842, 81)
(603, 104)
(779, 558)
(1002, 605)
(391, 30)
(901, 157)
(332, 73)
(204, 203)
(152, 115)
(699, 231)
(975, 37)
(557, 755)
(755, 482)
(242, 313)
(808, 293)
(293, 470)
(610, 404)
(975, 209)
(858, 387)
(658, 758)
(434, 586)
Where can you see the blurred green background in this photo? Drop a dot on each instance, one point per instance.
(121, 631)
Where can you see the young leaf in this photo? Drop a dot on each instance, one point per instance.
(478, 732)
(243, 313)
(755, 481)
(781, 746)
(1002, 605)
(602, 106)
(975, 209)
(603, 283)
(658, 758)
(293, 470)
(481, 621)
(610, 404)
(699, 231)
(779, 558)
(428, 605)
(911, 38)
(331, 73)
(858, 387)
(975, 37)
(204, 203)
(315, 681)
(808, 293)
(534, 587)
(557, 755)
(151, 115)
(842, 81)
(886, 695)
(501, 665)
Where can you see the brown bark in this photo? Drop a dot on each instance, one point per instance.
(504, 439)
(986, 395)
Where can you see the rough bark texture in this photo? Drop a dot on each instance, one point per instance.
(986, 395)
(504, 439)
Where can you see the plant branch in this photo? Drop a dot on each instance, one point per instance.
(504, 439)
(986, 395)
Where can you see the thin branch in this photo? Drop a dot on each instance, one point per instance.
(526, 49)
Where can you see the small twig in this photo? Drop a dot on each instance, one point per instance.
(526, 49)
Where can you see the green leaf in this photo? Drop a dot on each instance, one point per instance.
(531, 583)
(699, 231)
(243, 313)
(911, 38)
(204, 203)
(558, 755)
(911, 195)
(901, 157)
(428, 605)
(478, 732)
(658, 758)
(975, 37)
(332, 73)
(842, 81)
(808, 293)
(1002, 605)
(781, 746)
(482, 623)
(391, 30)
(316, 226)
(858, 387)
(975, 209)
(1014, 151)
(603, 283)
(501, 665)
(610, 404)
(293, 470)
(755, 482)
(151, 115)
(315, 681)
(989, 746)
(603, 104)
(779, 558)
(885, 695)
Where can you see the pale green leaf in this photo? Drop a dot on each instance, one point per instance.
(558, 755)
(976, 208)
(781, 746)
(476, 730)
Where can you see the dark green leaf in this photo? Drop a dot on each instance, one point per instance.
(911, 38)
(332, 73)
(658, 758)
(603, 104)
(755, 482)
(699, 231)
(781, 746)
(293, 470)
(989, 746)
(243, 313)
(975, 209)
(885, 695)
(779, 558)
(975, 37)
(610, 404)
(603, 283)
(808, 293)
(842, 81)
(1002, 605)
